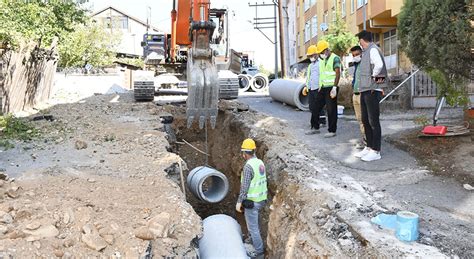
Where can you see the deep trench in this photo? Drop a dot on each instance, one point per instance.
(224, 155)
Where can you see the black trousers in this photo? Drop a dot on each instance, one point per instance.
(323, 99)
(370, 110)
(312, 96)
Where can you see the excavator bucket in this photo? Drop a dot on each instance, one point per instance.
(203, 79)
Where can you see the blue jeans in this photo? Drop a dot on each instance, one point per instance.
(251, 217)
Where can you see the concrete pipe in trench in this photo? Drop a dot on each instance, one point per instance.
(260, 82)
(207, 184)
(289, 92)
(244, 82)
(222, 238)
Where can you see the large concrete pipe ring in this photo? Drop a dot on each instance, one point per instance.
(222, 238)
(289, 92)
(207, 184)
(260, 82)
(244, 82)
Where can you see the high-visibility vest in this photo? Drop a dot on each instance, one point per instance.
(258, 186)
(327, 75)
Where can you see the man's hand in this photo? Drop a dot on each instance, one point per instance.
(333, 92)
(305, 91)
(238, 207)
(379, 79)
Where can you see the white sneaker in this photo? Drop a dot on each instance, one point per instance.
(362, 153)
(371, 156)
(330, 134)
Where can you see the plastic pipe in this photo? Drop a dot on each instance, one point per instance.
(289, 92)
(222, 238)
(207, 184)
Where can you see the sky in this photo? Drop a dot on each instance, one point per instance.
(242, 35)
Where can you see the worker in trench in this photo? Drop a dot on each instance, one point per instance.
(253, 194)
(311, 90)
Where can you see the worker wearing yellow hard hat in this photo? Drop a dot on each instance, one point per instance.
(329, 75)
(311, 89)
(253, 194)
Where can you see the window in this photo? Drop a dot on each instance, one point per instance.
(390, 48)
(307, 31)
(333, 14)
(298, 39)
(307, 4)
(360, 3)
(325, 18)
(352, 6)
(343, 8)
(313, 2)
(314, 26)
(298, 10)
(124, 23)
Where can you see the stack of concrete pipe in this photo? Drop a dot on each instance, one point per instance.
(257, 83)
(289, 92)
(214, 191)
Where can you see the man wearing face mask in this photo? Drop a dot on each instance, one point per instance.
(329, 75)
(372, 79)
(356, 52)
(312, 88)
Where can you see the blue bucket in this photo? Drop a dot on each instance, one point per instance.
(407, 226)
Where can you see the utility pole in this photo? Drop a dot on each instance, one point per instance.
(365, 14)
(283, 42)
(261, 23)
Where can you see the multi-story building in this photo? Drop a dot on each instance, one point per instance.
(314, 17)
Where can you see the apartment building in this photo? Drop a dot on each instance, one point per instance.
(312, 19)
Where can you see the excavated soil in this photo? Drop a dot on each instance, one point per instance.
(96, 183)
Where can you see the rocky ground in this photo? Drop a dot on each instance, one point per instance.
(94, 184)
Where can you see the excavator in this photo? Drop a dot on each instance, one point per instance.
(192, 27)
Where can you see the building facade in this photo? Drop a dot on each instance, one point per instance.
(129, 28)
(314, 17)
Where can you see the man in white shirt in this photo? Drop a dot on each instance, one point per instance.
(372, 79)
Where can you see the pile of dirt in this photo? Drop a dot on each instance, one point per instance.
(96, 183)
(445, 156)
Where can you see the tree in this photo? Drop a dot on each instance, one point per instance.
(37, 20)
(436, 35)
(88, 44)
(339, 38)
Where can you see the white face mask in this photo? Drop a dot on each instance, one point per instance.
(313, 59)
(356, 59)
(324, 56)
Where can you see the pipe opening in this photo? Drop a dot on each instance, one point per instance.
(214, 188)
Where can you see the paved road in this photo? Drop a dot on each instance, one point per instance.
(445, 207)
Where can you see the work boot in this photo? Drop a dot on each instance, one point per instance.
(312, 132)
(330, 134)
(254, 254)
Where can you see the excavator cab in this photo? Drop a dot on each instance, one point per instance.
(192, 26)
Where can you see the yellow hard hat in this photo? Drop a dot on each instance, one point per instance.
(311, 50)
(248, 145)
(321, 46)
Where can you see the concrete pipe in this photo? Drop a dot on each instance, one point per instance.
(207, 184)
(260, 82)
(222, 238)
(244, 82)
(289, 92)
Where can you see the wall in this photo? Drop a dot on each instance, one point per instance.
(26, 77)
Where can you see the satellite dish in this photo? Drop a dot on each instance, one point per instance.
(323, 27)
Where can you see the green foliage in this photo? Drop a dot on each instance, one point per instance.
(37, 20)
(88, 44)
(339, 38)
(15, 128)
(263, 70)
(436, 35)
